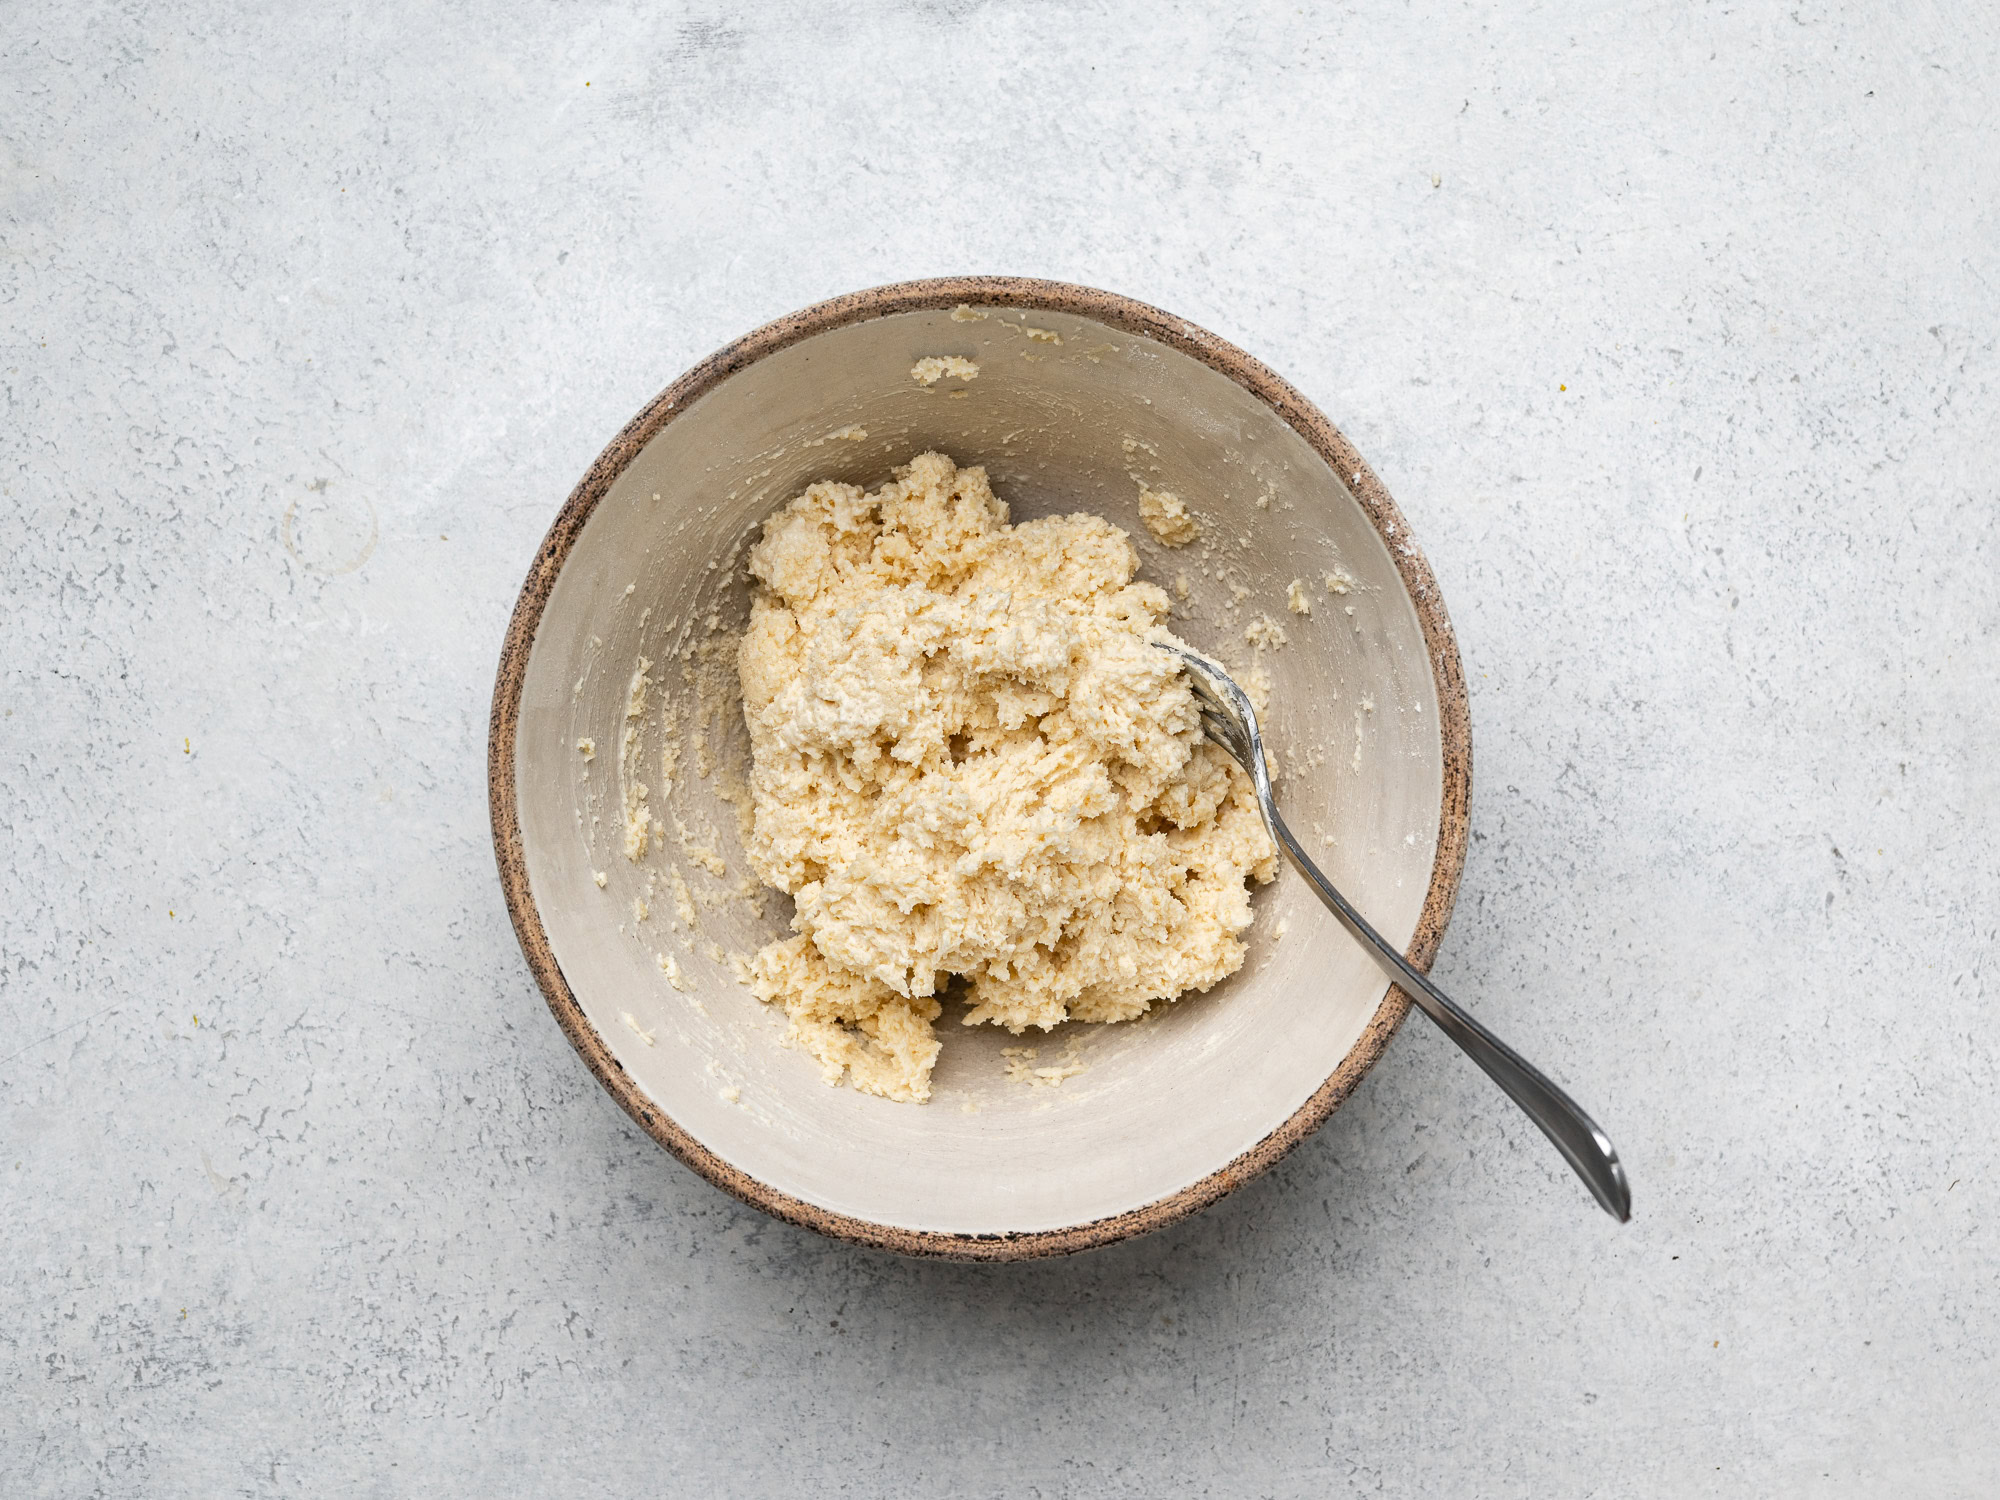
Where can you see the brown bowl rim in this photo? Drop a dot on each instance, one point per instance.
(1131, 317)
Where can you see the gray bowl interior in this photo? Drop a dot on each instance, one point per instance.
(1080, 424)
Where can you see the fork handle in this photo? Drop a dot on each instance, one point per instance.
(1583, 1145)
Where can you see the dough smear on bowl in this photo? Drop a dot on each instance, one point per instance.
(968, 759)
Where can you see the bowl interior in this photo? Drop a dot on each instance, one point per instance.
(1067, 414)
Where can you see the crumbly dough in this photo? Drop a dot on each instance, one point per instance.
(933, 368)
(1264, 633)
(968, 760)
(1166, 516)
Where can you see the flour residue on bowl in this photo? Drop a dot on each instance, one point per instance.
(679, 738)
(634, 792)
(1023, 1065)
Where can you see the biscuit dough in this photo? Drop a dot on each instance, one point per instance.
(968, 760)
(933, 368)
(1166, 516)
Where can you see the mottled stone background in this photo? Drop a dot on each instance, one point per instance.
(1673, 329)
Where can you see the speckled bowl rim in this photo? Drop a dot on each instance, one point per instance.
(915, 296)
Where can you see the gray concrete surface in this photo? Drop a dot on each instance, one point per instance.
(1674, 332)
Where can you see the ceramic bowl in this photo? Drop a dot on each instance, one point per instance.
(1081, 399)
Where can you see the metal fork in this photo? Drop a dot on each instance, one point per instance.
(1229, 720)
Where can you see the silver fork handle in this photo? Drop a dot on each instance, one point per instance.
(1572, 1132)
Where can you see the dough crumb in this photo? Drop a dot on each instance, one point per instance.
(600, 877)
(671, 969)
(589, 748)
(683, 897)
(1296, 599)
(670, 761)
(1256, 685)
(638, 817)
(632, 1024)
(1020, 1066)
(1339, 583)
(730, 1094)
(964, 314)
(1264, 632)
(933, 368)
(1043, 335)
(1166, 516)
(968, 760)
